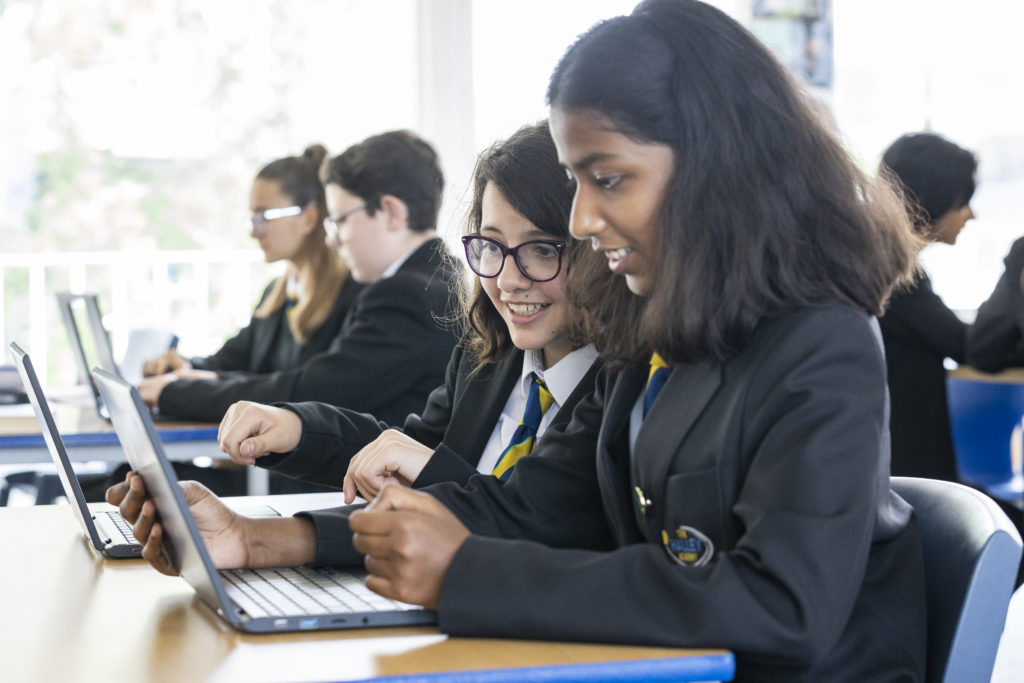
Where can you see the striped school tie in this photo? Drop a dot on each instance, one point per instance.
(525, 437)
(290, 302)
(655, 380)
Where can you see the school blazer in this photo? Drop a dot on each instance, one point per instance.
(774, 465)
(387, 357)
(919, 331)
(995, 341)
(251, 350)
(456, 422)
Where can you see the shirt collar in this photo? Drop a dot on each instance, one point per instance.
(562, 377)
(393, 268)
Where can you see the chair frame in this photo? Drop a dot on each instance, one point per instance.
(971, 552)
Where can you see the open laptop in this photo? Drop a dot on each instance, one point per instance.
(108, 532)
(90, 342)
(254, 600)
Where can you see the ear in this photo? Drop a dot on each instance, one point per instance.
(311, 218)
(396, 211)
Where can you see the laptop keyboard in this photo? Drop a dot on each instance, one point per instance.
(288, 591)
(128, 538)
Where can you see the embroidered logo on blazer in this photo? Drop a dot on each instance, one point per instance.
(688, 547)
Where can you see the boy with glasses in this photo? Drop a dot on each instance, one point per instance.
(383, 198)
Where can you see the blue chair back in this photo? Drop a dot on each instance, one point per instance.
(983, 415)
(971, 553)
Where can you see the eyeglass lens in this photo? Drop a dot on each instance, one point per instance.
(539, 261)
(260, 219)
(332, 224)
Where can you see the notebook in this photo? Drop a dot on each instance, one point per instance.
(108, 532)
(253, 600)
(90, 342)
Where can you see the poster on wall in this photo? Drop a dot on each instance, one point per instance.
(800, 33)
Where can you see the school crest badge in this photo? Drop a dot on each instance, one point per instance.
(687, 546)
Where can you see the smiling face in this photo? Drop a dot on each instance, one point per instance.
(280, 238)
(536, 313)
(620, 184)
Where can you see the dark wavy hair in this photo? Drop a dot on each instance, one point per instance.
(525, 169)
(765, 211)
(934, 174)
(398, 163)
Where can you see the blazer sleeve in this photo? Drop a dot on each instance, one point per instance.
(808, 431)
(389, 348)
(994, 341)
(331, 436)
(923, 316)
(236, 353)
(526, 512)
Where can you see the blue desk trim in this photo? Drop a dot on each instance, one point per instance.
(167, 435)
(715, 667)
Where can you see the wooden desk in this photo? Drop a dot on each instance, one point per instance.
(1008, 376)
(69, 615)
(88, 437)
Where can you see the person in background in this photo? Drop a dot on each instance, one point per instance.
(937, 179)
(995, 340)
(301, 312)
(521, 338)
(727, 482)
(383, 196)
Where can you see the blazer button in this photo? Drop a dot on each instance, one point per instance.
(641, 500)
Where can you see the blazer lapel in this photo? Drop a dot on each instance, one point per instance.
(682, 400)
(264, 339)
(613, 475)
(481, 402)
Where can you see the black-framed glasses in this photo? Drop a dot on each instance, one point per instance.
(537, 260)
(259, 219)
(333, 223)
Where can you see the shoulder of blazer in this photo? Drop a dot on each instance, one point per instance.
(431, 263)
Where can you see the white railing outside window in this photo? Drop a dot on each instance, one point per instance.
(203, 296)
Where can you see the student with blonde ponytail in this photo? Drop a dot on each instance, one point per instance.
(300, 312)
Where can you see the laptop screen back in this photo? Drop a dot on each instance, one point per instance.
(141, 444)
(88, 338)
(59, 455)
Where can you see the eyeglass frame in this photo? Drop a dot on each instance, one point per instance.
(332, 224)
(259, 219)
(559, 246)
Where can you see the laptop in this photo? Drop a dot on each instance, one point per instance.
(108, 532)
(90, 342)
(253, 600)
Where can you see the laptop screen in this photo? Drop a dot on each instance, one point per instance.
(88, 338)
(58, 454)
(145, 453)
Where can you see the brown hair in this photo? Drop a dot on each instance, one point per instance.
(525, 169)
(324, 272)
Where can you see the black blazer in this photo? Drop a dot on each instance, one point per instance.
(777, 456)
(251, 350)
(919, 332)
(387, 357)
(456, 422)
(994, 341)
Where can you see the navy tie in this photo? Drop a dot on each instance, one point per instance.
(655, 380)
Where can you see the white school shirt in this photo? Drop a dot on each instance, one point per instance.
(561, 379)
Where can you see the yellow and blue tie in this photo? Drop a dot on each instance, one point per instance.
(538, 400)
(655, 380)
